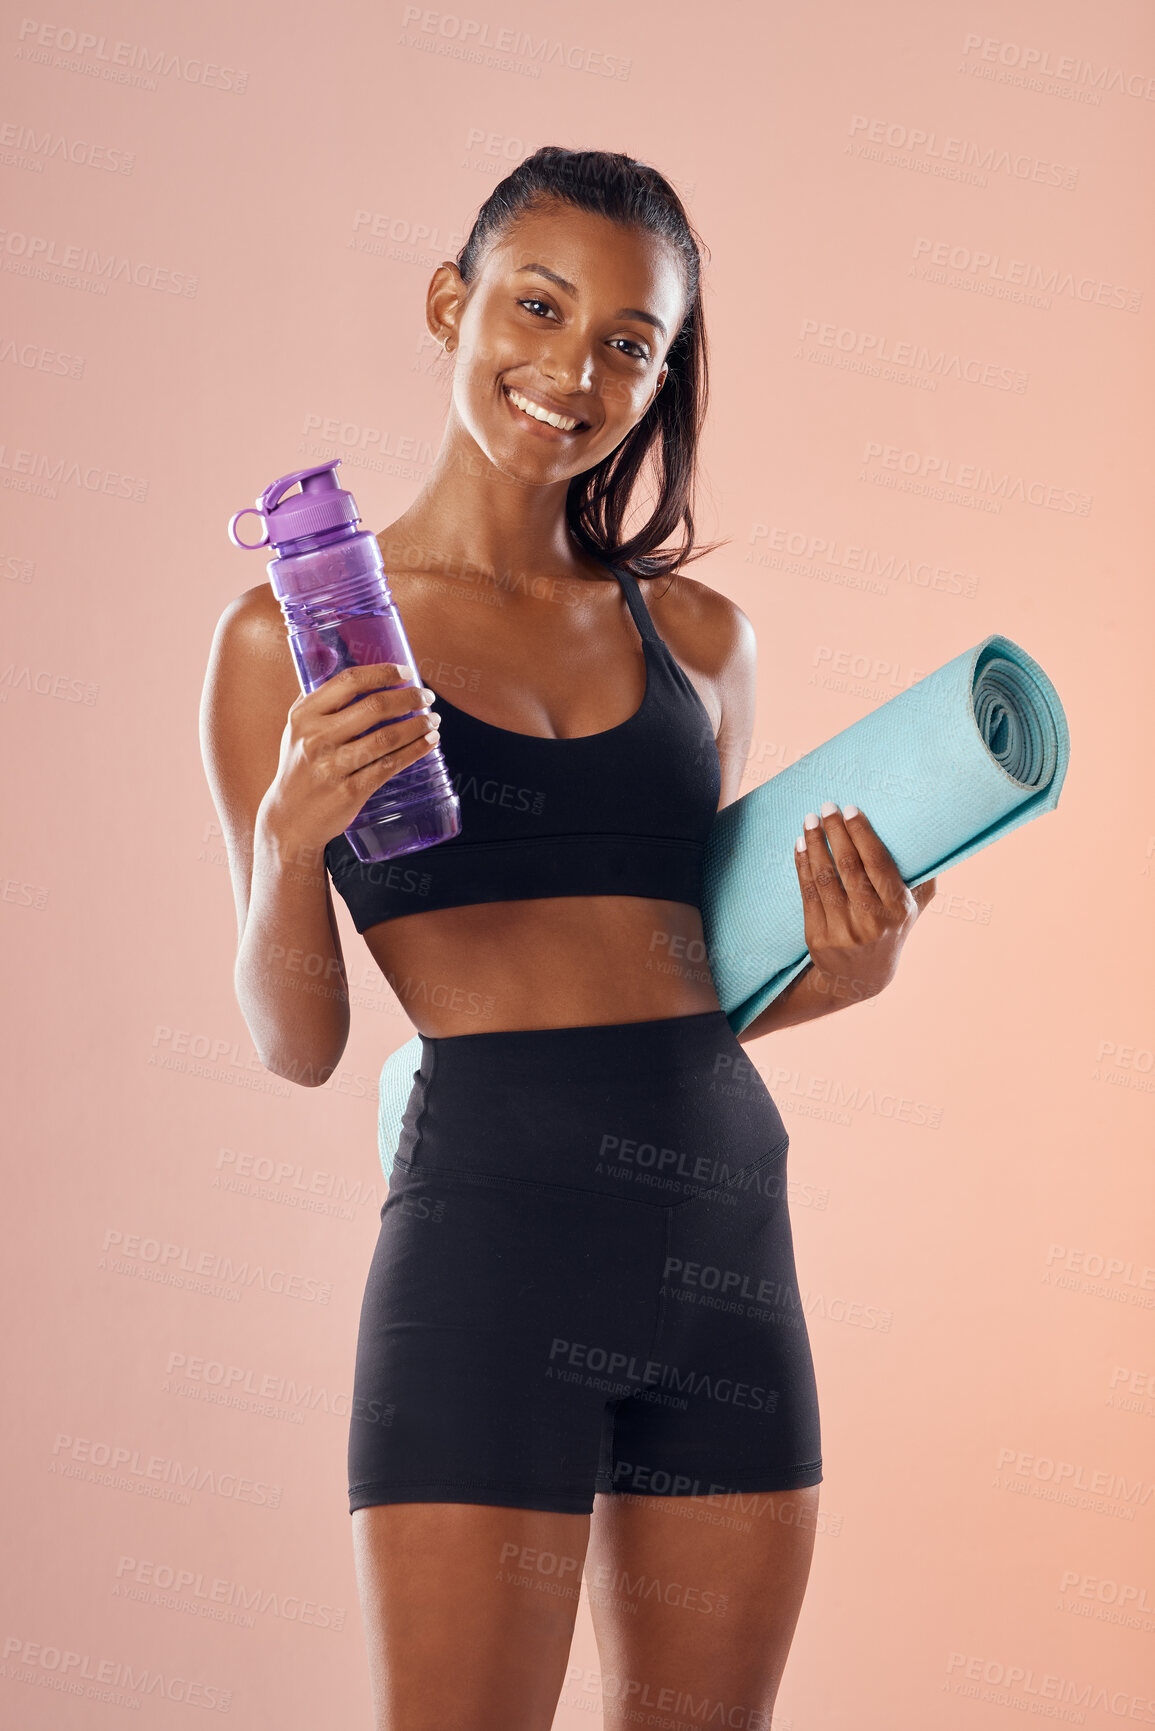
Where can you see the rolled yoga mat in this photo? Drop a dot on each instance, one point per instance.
(941, 770)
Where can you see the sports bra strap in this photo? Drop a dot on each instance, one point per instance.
(636, 603)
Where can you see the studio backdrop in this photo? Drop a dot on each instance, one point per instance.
(928, 300)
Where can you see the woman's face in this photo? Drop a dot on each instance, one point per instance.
(571, 313)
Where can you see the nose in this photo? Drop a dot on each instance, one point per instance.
(570, 366)
(572, 384)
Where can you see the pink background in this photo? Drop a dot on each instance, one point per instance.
(214, 272)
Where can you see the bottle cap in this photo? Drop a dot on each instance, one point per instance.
(321, 504)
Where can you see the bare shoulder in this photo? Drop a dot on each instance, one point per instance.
(707, 624)
(250, 654)
(710, 636)
(253, 622)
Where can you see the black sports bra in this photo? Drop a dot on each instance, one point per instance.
(623, 812)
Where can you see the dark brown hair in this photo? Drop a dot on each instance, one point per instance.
(636, 196)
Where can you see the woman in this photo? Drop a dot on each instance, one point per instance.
(581, 1345)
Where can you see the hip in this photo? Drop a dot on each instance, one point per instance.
(658, 1112)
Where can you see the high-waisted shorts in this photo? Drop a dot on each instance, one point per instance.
(584, 1279)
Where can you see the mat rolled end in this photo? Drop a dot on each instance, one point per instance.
(941, 770)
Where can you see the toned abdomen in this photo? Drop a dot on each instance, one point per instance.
(561, 961)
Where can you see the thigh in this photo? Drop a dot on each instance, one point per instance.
(698, 1596)
(731, 1398)
(468, 1613)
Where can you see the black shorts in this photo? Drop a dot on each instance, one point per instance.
(584, 1279)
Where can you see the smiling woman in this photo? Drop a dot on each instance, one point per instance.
(593, 250)
(558, 398)
(522, 1249)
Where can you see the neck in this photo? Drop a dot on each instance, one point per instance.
(471, 519)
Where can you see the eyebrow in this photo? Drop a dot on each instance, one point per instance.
(622, 312)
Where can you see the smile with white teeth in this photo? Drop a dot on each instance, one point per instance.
(566, 423)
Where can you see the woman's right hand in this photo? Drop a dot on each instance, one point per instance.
(326, 773)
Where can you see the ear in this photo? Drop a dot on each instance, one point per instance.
(444, 302)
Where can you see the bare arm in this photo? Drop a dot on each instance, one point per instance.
(289, 973)
(808, 995)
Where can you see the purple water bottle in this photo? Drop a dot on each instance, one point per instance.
(330, 580)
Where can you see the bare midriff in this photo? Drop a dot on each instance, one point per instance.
(556, 962)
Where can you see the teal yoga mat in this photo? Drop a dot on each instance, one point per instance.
(941, 770)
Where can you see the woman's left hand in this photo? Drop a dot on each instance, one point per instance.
(858, 911)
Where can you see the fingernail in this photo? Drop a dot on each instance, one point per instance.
(850, 811)
(829, 808)
(810, 821)
(800, 844)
